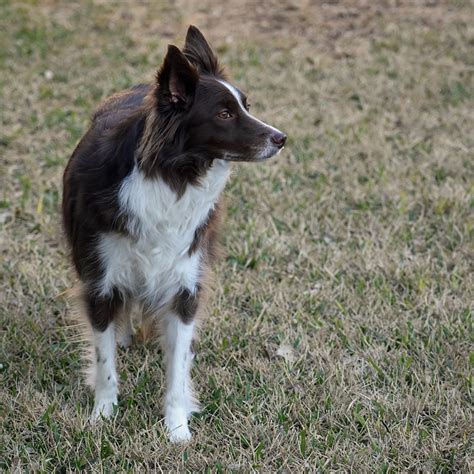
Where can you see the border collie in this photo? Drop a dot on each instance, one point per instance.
(141, 210)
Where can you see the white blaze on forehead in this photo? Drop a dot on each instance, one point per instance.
(234, 92)
(237, 96)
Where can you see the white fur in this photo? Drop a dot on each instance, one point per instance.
(179, 399)
(154, 264)
(104, 375)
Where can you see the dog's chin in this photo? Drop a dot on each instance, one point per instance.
(268, 152)
(260, 155)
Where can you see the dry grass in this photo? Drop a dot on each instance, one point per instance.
(341, 329)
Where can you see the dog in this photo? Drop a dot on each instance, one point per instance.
(141, 212)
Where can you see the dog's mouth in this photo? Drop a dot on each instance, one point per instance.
(269, 152)
(256, 154)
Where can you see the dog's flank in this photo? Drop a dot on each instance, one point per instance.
(142, 206)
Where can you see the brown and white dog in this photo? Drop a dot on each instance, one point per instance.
(141, 207)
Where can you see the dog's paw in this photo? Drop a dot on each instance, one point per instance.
(125, 340)
(103, 409)
(176, 422)
(181, 434)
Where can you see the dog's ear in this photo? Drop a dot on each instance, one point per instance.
(177, 79)
(198, 51)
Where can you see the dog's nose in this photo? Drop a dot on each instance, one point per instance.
(279, 139)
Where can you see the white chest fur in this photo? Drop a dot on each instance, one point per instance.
(154, 263)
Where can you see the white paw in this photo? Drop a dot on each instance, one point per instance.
(176, 422)
(181, 434)
(103, 409)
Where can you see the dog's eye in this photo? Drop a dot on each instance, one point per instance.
(225, 114)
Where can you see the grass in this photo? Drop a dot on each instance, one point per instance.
(340, 335)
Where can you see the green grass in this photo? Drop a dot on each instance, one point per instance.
(340, 334)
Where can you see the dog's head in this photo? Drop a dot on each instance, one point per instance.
(212, 117)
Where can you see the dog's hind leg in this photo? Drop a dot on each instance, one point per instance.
(125, 327)
(147, 329)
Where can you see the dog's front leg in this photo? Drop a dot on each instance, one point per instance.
(177, 337)
(102, 311)
(105, 377)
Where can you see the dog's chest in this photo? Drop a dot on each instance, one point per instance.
(155, 262)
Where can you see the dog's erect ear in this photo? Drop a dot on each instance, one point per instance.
(177, 78)
(198, 51)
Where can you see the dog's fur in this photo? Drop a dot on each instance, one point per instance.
(141, 208)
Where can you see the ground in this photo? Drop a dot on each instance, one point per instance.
(340, 331)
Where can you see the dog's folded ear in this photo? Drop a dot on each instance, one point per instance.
(177, 79)
(198, 51)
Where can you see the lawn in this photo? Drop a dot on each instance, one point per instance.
(340, 334)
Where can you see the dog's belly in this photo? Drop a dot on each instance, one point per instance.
(152, 270)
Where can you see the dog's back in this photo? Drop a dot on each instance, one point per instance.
(120, 106)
